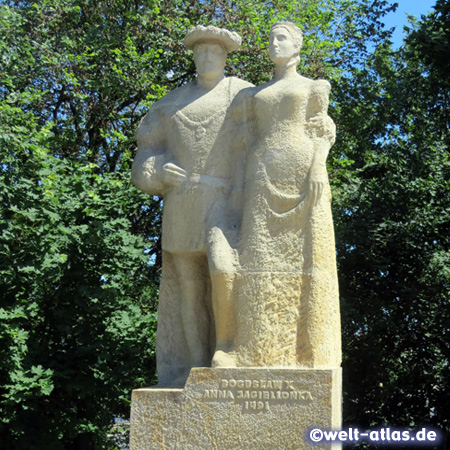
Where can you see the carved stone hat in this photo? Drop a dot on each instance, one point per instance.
(229, 39)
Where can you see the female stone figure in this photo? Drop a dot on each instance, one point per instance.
(286, 293)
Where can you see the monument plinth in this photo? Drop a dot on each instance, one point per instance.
(248, 343)
(238, 408)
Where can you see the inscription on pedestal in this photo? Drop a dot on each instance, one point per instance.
(258, 395)
(239, 409)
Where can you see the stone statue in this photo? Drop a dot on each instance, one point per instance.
(249, 296)
(249, 268)
(184, 155)
(287, 302)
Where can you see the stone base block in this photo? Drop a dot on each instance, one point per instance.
(238, 408)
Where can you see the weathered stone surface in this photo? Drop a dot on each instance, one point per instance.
(286, 293)
(186, 157)
(249, 266)
(249, 282)
(238, 408)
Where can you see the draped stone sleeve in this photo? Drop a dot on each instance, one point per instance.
(149, 160)
(241, 115)
(319, 123)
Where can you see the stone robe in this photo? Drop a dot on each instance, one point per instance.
(287, 293)
(190, 129)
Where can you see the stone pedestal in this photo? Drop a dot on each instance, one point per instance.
(238, 408)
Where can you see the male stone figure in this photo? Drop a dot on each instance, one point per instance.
(185, 157)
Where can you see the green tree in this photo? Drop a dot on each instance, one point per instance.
(392, 215)
(74, 317)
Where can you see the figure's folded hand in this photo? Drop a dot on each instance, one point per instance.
(173, 175)
(323, 127)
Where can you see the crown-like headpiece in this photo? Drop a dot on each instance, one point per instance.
(229, 39)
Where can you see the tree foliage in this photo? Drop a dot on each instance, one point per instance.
(79, 245)
(392, 219)
(74, 316)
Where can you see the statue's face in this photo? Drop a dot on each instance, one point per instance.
(209, 58)
(281, 45)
